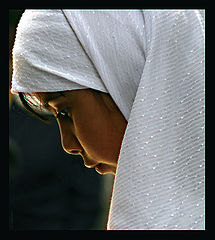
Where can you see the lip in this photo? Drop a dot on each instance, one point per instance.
(91, 165)
(105, 169)
(99, 168)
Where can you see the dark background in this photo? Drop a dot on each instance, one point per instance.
(49, 189)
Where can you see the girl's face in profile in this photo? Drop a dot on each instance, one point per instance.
(90, 125)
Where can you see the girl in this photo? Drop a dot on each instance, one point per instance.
(127, 89)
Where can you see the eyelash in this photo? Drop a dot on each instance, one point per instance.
(63, 113)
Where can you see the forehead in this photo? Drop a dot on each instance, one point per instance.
(45, 97)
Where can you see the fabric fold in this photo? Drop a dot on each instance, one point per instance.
(152, 63)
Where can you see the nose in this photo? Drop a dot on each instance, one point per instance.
(69, 141)
(70, 144)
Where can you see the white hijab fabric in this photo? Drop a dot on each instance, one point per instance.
(152, 64)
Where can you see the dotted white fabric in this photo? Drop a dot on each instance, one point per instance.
(152, 64)
(48, 57)
(160, 177)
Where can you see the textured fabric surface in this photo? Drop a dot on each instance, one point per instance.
(47, 56)
(163, 188)
(152, 64)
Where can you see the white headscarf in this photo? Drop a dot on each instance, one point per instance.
(152, 64)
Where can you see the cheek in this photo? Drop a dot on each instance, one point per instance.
(99, 133)
(89, 124)
(92, 135)
(100, 141)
